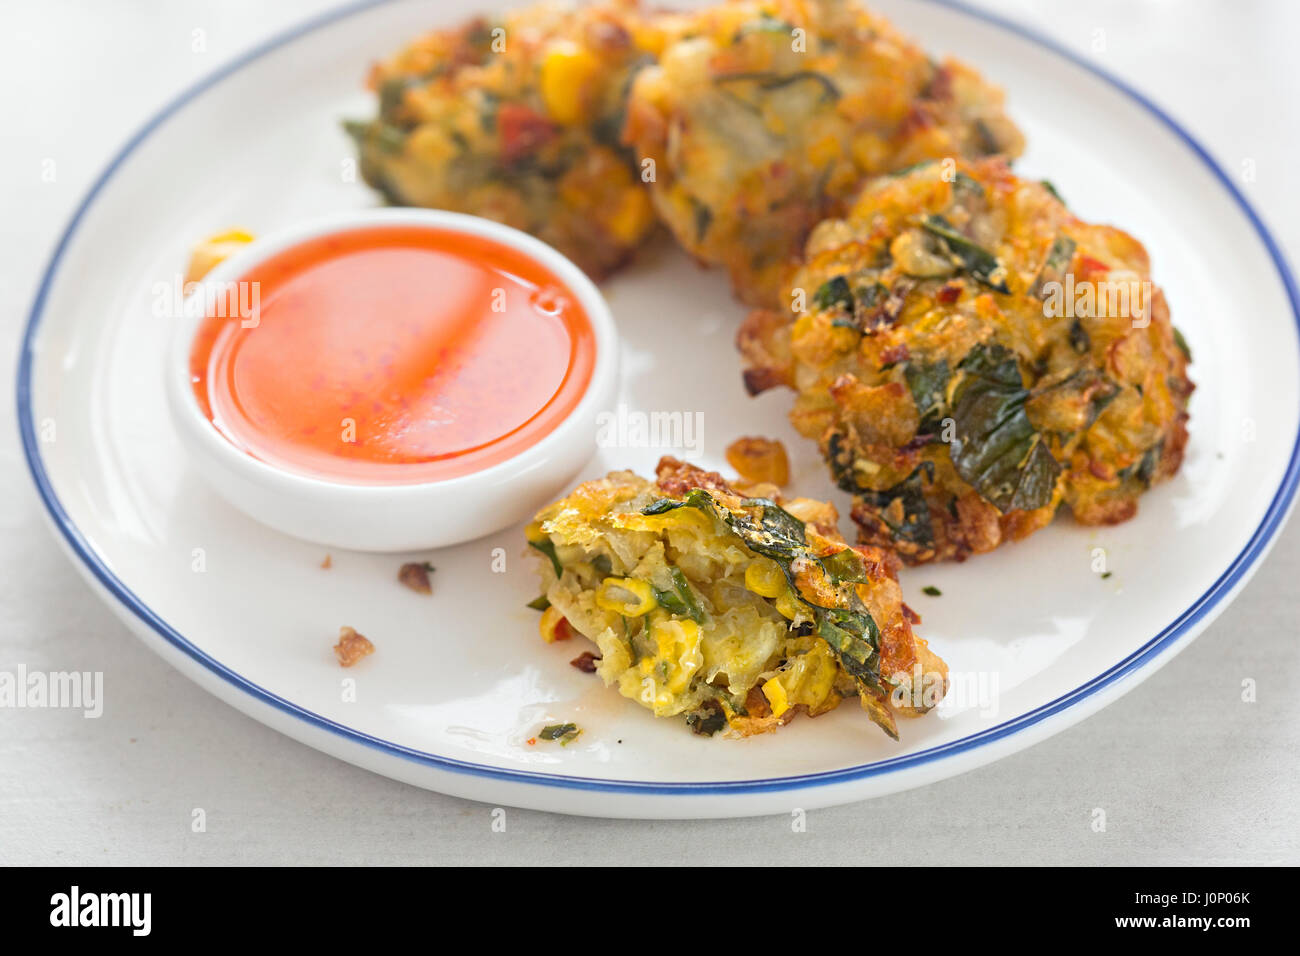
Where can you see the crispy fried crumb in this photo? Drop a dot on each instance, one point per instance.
(352, 646)
(416, 576)
(759, 460)
(327, 563)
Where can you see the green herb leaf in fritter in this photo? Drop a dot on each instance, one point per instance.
(778, 522)
(1051, 188)
(910, 521)
(384, 137)
(707, 719)
(850, 631)
(1145, 468)
(995, 448)
(967, 183)
(763, 23)
(1078, 399)
(840, 457)
(854, 638)
(868, 307)
(1080, 340)
(392, 92)
(844, 567)
(547, 547)
(981, 264)
(768, 81)
(928, 383)
(834, 294)
(679, 599)
(1056, 265)
(703, 218)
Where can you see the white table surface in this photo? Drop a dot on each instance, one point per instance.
(1184, 770)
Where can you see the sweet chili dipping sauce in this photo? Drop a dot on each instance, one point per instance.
(394, 355)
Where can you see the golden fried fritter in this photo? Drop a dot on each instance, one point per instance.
(764, 116)
(729, 605)
(972, 356)
(518, 119)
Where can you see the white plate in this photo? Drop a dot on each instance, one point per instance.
(460, 680)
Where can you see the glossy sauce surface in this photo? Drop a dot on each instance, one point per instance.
(394, 355)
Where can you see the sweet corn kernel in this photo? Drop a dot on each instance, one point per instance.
(787, 605)
(764, 578)
(534, 532)
(678, 518)
(549, 625)
(648, 37)
(214, 250)
(678, 643)
(567, 70)
(869, 151)
(626, 596)
(825, 151)
(775, 695)
(633, 216)
(432, 145)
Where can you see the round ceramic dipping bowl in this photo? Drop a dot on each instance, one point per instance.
(392, 379)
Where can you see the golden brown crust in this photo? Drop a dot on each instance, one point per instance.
(762, 117)
(677, 478)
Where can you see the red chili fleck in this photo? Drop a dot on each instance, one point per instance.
(610, 36)
(523, 130)
(895, 353)
(1089, 266)
(949, 293)
(940, 84)
(1101, 469)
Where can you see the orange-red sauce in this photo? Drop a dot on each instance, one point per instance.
(394, 355)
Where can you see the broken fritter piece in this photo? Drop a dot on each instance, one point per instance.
(971, 356)
(729, 605)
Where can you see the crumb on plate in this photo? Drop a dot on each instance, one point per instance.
(352, 646)
(759, 460)
(415, 575)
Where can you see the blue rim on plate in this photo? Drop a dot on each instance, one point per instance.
(1204, 605)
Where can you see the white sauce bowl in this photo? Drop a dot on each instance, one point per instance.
(395, 517)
